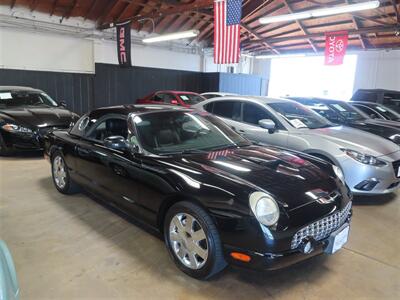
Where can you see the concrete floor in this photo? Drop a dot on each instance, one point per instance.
(71, 247)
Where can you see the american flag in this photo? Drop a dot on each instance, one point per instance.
(227, 16)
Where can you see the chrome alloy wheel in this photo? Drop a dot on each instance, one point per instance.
(188, 241)
(59, 172)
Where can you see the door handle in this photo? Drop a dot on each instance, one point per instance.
(83, 151)
(241, 131)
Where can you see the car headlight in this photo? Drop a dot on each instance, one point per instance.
(16, 128)
(265, 208)
(339, 173)
(364, 158)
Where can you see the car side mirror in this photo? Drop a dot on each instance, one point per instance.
(175, 102)
(116, 143)
(267, 124)
(63, 104)
(372, 116)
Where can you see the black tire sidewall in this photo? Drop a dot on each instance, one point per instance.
(212, 239)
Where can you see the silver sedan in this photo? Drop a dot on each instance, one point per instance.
(370, 164)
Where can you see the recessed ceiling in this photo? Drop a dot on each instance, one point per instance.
(368, 29)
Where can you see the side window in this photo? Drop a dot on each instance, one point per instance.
(109, 127)
(227, 109)
(253, 113)
(209, 107)
(82, 126)
(158, 97)
(367, 110)
(167, 98)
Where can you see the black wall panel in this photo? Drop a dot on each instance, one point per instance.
(74, 89)
(112, 85)
(240, 84)
(115, 85)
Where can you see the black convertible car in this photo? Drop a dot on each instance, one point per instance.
(26, 115)
(343, 113)
(216, 197)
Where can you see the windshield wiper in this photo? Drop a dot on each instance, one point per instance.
(183, 152)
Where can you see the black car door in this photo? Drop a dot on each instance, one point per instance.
(108, 172)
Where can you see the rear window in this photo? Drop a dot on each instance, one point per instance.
(191, 98)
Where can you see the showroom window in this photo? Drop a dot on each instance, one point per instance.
(308, 76)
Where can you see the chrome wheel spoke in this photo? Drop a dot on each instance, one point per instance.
(174, 237)
(198, 236)
(189, 224)
(200, 251)
(177, 222)
(193, 260)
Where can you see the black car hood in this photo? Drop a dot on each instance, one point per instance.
(382, 128)
(39, 116)
(280, 173)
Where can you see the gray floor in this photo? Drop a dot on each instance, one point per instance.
(70, 247)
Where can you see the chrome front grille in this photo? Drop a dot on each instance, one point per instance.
(322, 228)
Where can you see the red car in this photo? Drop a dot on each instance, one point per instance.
(185, 99)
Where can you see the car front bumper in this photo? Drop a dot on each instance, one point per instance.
(276, 261)
(364, 179)
(21, 141)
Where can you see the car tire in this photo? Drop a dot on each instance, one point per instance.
(184, 243)
(61, 177)
(4, 151)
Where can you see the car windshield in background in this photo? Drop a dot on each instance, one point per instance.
(347, 112)
(387, 112)
(12, 99)
(191, 98)
(300, 116)
(179, 132)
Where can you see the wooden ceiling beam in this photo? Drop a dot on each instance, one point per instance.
(90, 10)
(107, 10)
(357, 27)
(301, 26)
(376, 29)
(257, 36)
(70, 10)
(177, 9)
(396, 11)
(33, 4)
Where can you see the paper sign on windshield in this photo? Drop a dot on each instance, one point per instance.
(298, 124)
(184, 98)
(5, 96)
(338, 107)
(381, 109)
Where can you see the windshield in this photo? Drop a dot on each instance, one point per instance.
(300, 116)
(191, 98)
(386, 112)
(348, 112)
(179, 131)
(23, 98)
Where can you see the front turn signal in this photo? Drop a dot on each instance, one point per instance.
(240, 256)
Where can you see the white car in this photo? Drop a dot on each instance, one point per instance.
(217, 95)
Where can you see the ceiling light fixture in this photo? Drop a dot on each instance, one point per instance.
(321, 12)
(172, 36)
